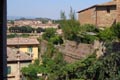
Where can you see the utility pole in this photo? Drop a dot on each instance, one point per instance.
(18, 60)
(18, 63)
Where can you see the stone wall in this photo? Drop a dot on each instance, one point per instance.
(73, 51)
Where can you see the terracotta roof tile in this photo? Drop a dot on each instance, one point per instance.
(111, 3)
(22, 41)
(12, 55)
(108, 3)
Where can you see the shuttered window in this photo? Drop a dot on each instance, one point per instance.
(9, 70)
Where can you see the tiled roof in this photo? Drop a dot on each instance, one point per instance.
(111, 3)
(22, 41)
(108, 3)
(12, 55)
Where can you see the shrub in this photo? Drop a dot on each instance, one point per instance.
(88, 39)
(56, 40)
(106, 35)
(70, 29)
(11, 35)
(49, 33)
(25, 35)
(39, 30)
(116, 29)
(89, 28)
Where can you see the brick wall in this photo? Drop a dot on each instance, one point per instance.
(118, 10)
(102, 16)
(106, 16)
(87, 17)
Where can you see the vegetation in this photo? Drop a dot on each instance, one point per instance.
(106, 35)
(116, 29)
(89, 28)
(52, 61)
(39, 30)
(51, 36)
(62, 15)
(70, 29)
(23, 29)
(13, 35)
(53, 66)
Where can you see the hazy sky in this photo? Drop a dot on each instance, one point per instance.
(47, 8)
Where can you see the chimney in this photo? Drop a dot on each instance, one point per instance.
(118, 10)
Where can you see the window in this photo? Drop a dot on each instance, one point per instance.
(9, 70)
(108, 10)
(30, 49)
(17, 47)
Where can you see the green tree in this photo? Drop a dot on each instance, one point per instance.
(49, 33)
(52, 61)
(70, 29)
(72, 14)
(62, 15)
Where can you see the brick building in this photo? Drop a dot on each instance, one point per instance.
(101, 15)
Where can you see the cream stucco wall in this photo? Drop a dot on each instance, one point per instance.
(24, 48)
(34, 50)
(14, 69)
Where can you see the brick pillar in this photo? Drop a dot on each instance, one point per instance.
(118, 10)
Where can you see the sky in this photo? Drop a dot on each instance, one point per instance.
(47, 8)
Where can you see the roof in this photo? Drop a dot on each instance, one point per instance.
(111, 3)
(12, 55)
(22, 41)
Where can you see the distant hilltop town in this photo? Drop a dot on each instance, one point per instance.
(34, 23)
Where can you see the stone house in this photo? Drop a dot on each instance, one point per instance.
(101, 15)
(26, 45)
(14, 64)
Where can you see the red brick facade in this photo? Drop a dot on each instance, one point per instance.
(87, 16)
(101, 15)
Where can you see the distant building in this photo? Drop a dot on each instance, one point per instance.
(32, 23)
(101, 15)
(14, 64)
(26, 45)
